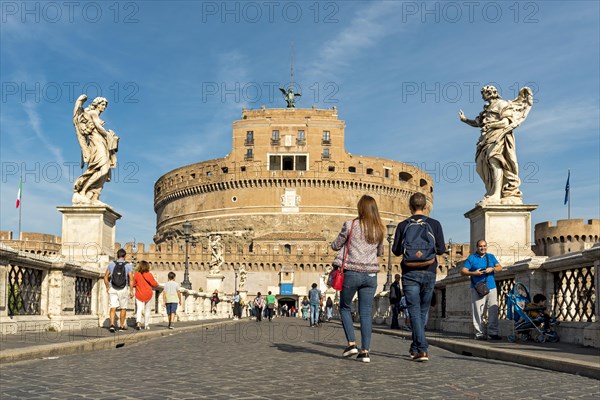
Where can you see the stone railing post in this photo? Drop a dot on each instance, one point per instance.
(55, 281)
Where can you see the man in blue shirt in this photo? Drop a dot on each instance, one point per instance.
(481, 266)
(119, 291)
(315, 296)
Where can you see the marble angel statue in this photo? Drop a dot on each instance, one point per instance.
(496, 155)
(98, 150)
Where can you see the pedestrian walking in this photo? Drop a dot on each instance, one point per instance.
(418, 239)
(144, 283)
(305, 307)
(214, 300)
(315, 297)
(480, 267)
(395, 296)
(270, 305)
(171, 297)
(258, 303)
(118, 280)
(329, 308)
(360, 242)
(237, 307)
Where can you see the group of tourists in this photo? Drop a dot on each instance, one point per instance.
(418, 239)
(313, 308)
(122, 284)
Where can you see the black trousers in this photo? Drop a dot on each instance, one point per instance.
(395, 313)
(258, 313)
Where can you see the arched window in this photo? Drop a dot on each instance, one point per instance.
(404, 176)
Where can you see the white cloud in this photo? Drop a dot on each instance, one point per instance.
(36, 124)
(369, 26)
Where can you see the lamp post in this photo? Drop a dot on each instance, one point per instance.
(450, 252)
(236, 269)
(134, 250)
(391, 227)
(187, 230)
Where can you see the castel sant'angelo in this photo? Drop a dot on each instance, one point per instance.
(275, 203)
(262, 218)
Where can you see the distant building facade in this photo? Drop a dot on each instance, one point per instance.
(279, 199)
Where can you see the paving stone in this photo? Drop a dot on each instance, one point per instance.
(283, 359)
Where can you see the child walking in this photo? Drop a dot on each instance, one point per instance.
(172, 297)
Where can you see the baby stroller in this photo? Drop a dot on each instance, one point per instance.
(524, 327)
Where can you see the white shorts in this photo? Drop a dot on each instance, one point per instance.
(119, 298)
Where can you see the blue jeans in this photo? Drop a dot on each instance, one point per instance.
(314, 313)
(365, 284)
(418, 288)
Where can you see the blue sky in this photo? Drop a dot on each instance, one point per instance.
(177, 74)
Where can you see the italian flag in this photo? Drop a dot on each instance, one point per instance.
(19, 192)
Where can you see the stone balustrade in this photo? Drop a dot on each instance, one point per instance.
(569, 282)
(48, 294)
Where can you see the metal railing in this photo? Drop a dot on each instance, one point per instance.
(83, 296)
(575, 294)
(24, 291)
(503, 288)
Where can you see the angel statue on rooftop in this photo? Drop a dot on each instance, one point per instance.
(496, 155)
(98, 150)
(290, 96)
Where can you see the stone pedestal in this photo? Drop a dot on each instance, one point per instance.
(214, 282)
(88, 234)
(506, 229)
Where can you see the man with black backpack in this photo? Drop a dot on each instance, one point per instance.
(418, 239)
(118, 279)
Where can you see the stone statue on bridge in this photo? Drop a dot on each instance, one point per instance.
(216, 247)
(243, 277)
(98, 150)
(496, 155)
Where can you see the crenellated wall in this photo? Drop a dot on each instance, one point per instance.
(42, 244)
(567, 236)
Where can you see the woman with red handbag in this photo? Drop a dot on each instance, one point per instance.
(359, 243)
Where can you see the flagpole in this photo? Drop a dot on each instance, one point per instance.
(569, 200)
(20, 202)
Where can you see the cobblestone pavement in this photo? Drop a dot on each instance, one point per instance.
(284, 359)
